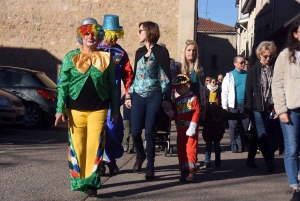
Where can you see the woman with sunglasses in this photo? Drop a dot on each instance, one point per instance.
(151, 88)
(287, 103)
(259, 103)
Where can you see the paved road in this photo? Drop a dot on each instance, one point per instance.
(33, 167)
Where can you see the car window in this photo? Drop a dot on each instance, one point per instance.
(45, 81)
(9, 78)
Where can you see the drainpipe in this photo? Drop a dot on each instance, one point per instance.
(272, 21)
(246, 36)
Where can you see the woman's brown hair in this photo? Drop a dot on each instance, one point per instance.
(152, 31)
(293, 44)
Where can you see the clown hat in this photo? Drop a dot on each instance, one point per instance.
(88, 20)
(111, 22)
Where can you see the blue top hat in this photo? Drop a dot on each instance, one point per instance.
(111, 22)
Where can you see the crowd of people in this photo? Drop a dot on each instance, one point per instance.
(264, 96)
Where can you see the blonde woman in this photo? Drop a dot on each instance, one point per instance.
(190, 65)
(259, 102)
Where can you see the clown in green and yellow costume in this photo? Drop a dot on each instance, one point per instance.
(86, 86)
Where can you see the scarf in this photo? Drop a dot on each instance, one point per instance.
(211, 88)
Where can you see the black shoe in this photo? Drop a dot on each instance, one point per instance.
(130, 150)
(183, 175)
(296, 195)
(271, 166)
(138, 163)
(218, 165)
(102, 170)
(149, 173)
(92, 191)
(113, 168)
(251, 163)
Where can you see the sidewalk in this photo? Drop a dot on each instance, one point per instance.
(234, 182)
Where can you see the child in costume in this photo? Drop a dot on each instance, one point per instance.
(87, 100)
(123, 71)
(186, 114)
(127, 140)
(213, 131)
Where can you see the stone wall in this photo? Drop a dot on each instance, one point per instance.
(45, 30)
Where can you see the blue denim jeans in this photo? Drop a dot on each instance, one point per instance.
(291, 134)
(217, 149)
(144, 114)
(259, 136)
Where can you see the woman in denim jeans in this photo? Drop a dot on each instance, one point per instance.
(286, 98)
(259, 102)
(151, 88)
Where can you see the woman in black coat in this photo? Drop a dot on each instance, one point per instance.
(259, 102)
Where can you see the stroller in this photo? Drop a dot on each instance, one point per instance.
(162, 135)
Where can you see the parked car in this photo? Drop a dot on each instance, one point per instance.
(37, 92)
(12, 110)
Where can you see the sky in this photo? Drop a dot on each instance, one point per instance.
(222, 11)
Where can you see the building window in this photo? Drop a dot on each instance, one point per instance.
(214, 61)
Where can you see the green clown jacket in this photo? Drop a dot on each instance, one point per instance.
(75, 70)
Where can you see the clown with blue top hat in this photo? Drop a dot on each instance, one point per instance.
(123, 71)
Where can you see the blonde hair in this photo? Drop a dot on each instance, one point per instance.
(266, 45)
(183, 61)
(110, 35)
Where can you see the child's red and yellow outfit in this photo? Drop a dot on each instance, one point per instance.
(187, 113)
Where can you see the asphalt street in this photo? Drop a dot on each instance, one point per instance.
(33, 167)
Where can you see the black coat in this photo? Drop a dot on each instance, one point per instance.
(161, 54)
(253, 91)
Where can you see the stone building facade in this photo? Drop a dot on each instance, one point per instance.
(37, 34)
(217, 47)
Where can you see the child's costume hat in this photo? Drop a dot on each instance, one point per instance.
(181, 79)
(111, 22)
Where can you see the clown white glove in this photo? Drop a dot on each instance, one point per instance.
(170, 113)
(191, 131)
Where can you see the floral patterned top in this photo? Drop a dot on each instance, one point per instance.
(150, 78)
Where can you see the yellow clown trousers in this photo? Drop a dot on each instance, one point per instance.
(86, 137)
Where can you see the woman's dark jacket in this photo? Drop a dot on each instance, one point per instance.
(161, 54)
(253, 91)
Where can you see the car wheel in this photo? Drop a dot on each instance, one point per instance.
(33, 116)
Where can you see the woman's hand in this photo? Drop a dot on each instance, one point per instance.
(114, 118)
(128, 104)
(59, 117)
(284, 118)
(166, 105)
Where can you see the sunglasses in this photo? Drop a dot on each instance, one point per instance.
(140, 31)
(241, 62)
(267, 56)
(207, 80)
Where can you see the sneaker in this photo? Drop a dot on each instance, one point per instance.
(138, 163)
(125, 148)
(234, 148)
(271, 166)
(296, 195)
(206, 164)
(149, 173)
(191, 177)
(251, 164)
